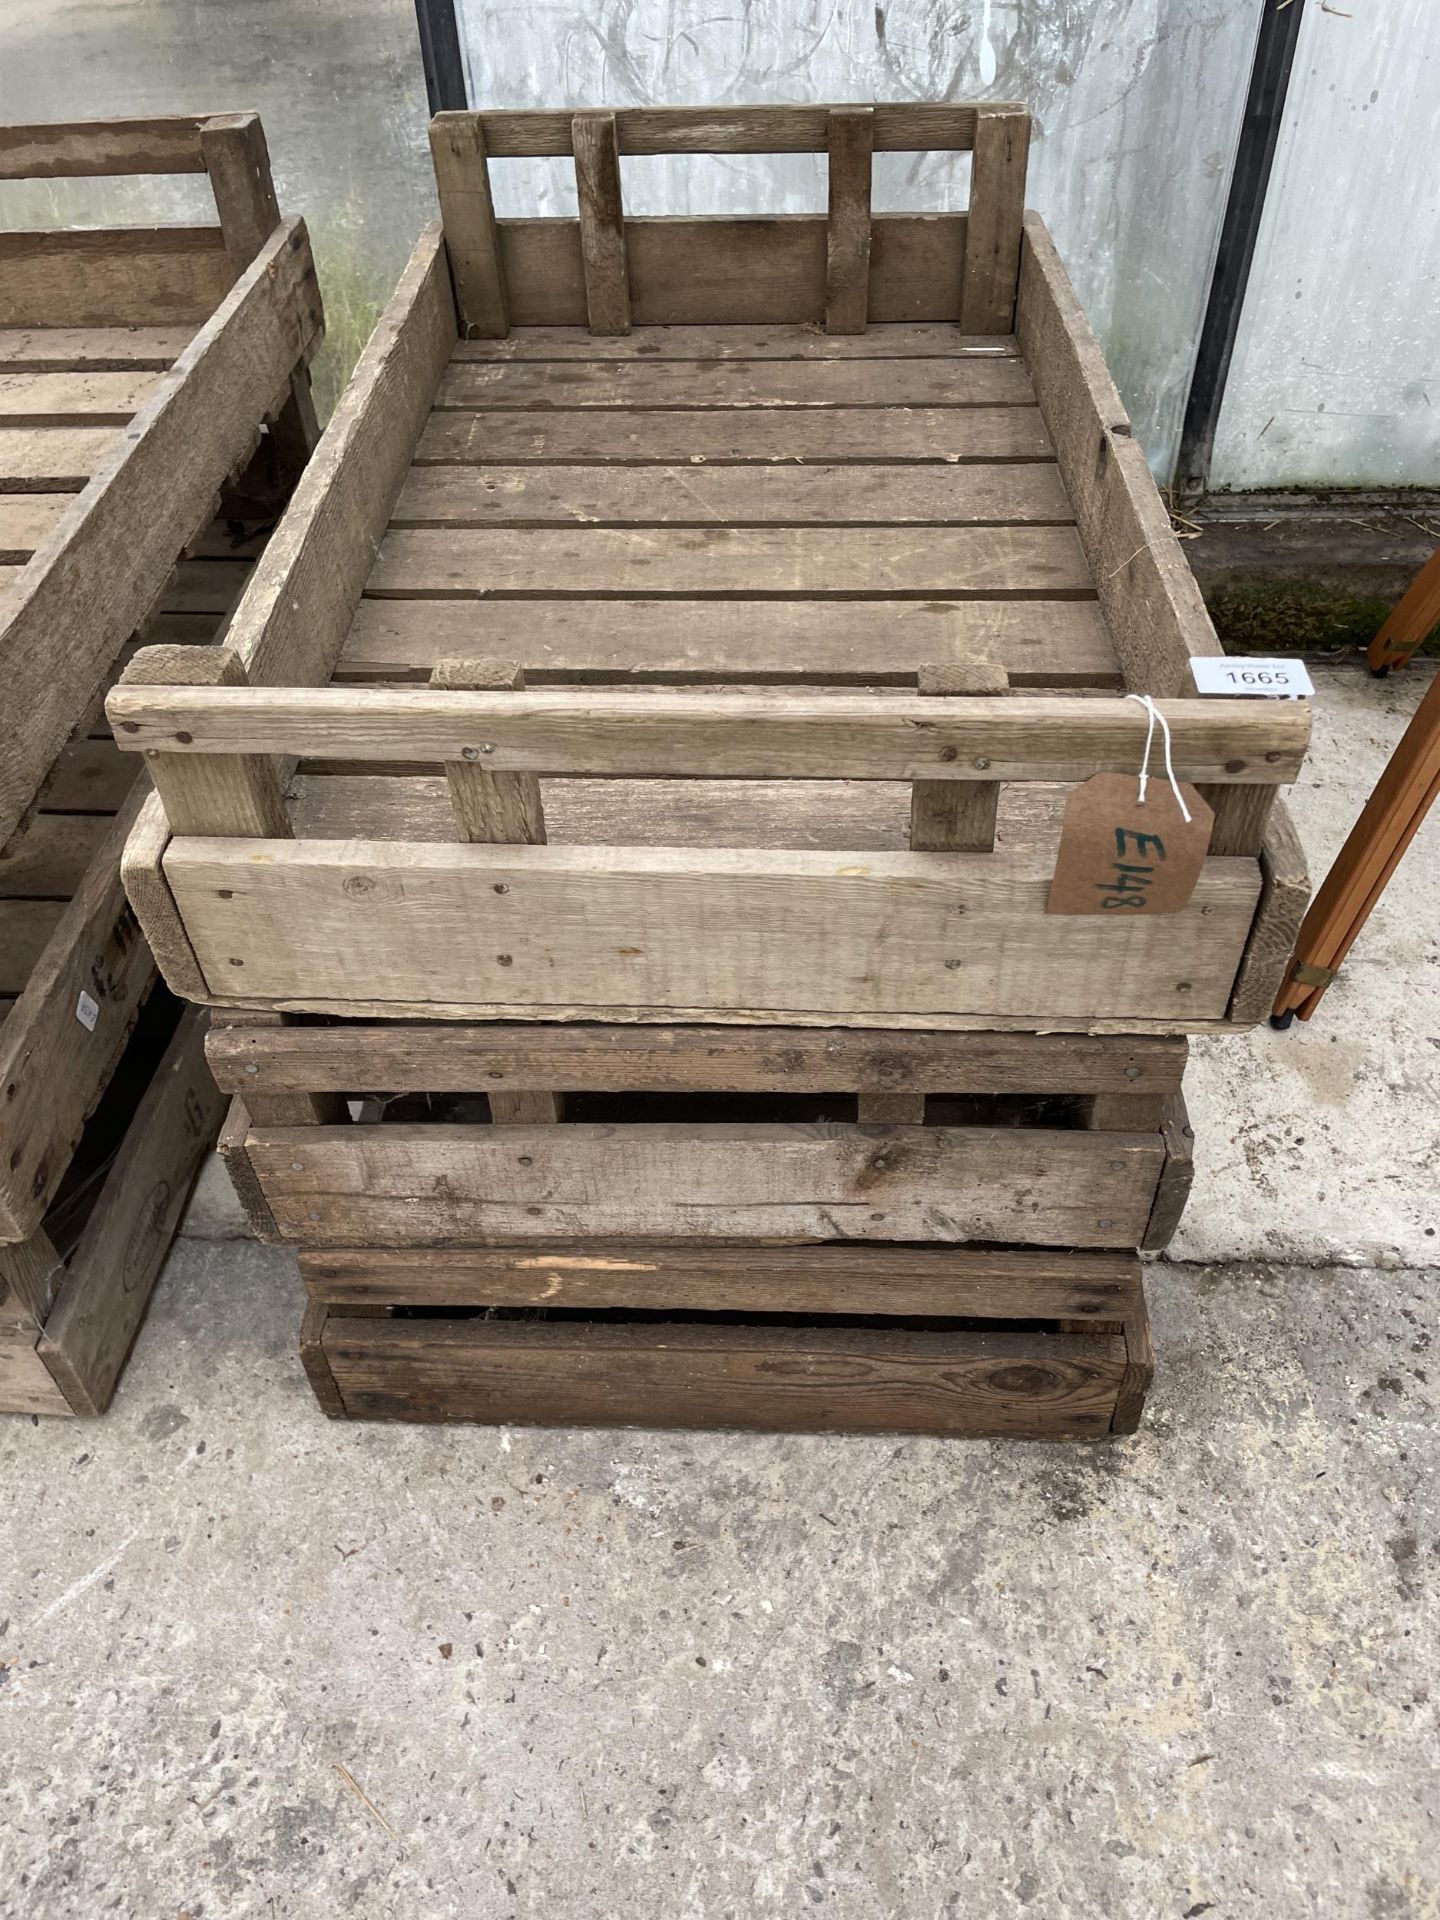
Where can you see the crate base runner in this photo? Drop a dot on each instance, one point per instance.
(962, 1341)
(72, 1296)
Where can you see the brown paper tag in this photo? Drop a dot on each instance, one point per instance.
(1119, 857)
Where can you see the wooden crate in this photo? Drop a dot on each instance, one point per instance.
(796, 1339)
(141, 368)
(491, 1134)
(73, 1294)
(702, 620)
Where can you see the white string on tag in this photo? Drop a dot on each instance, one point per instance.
(1154, 713)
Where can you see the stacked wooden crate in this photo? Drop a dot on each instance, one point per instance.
(615, 842)
(138, 474)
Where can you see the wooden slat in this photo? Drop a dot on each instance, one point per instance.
(305, 585)
(30, 1274)
(25, 927)
(876, 436)
(26, 519)
(1152, 604)
(1176, 1176)
(744, 736)
(766, 1379)
(953, 815)
(53, 459)
(489, 806)
(707, 270)
(401, 1184)
(235, 794)
(48, 861)
(831, 496)
(902, 127)
(850, 134)
(55, 1065)
(448, 1059)
(84, 596)
(852, 936)
(90, 776)
(91, 349)
(467, 211)
(1284, 896)
(685, 386)
(810, 561)
(231, 1148)
(1039, 642)
(895, 1281)
(104, 277)
(143, 874)
(118, 1258)
(997, 208)
(56, 399)
(166, 143)
(602, 223)
(706, 345)
(26, 1384)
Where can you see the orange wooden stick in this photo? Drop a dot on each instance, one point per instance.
(1414, 616)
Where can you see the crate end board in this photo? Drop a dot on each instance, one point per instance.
(1015, 1385)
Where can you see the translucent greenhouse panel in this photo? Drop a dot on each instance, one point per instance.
(1336, 375)
(338, 83)
(1137, 106)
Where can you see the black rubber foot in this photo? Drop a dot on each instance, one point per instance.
(1378, 673)
(1280, 1021)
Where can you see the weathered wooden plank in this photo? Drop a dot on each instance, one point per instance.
(293, 620)
(27, 519)
(720, 735)
(941, 495)
(105, 277)
(58, 399)
(873, 436)
(158, 143)
(764, 1379)
(953, 815)
(1152, 604)
(705, 345)
(682, 385)
(1284, 896)
(897, 562)
(95, 349)
(53, 459)
(26, 1383)
(233, 794)
(923, 1281)
(93, 583)
(148, 891)
(268, 1109)
(477, 1059)
(1047, 643)
(90, 776)
(231, 1148)
(49, 860)
(489, 806)
(89, 1334)
(30, 1274)
(467, 211)
(25, 928)
(997, 208)
(1176, 1176)
(54, 1064)
(602, 222)
(895, 933)
(713, 269)
(900, 127)
(850, 136)
(317, 1367)
(1241, 817)
(400, 1184)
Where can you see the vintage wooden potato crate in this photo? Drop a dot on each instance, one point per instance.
(137, 370)
(723, 1226)
(703, 619)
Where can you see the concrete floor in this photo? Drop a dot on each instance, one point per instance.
(252, 1663)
